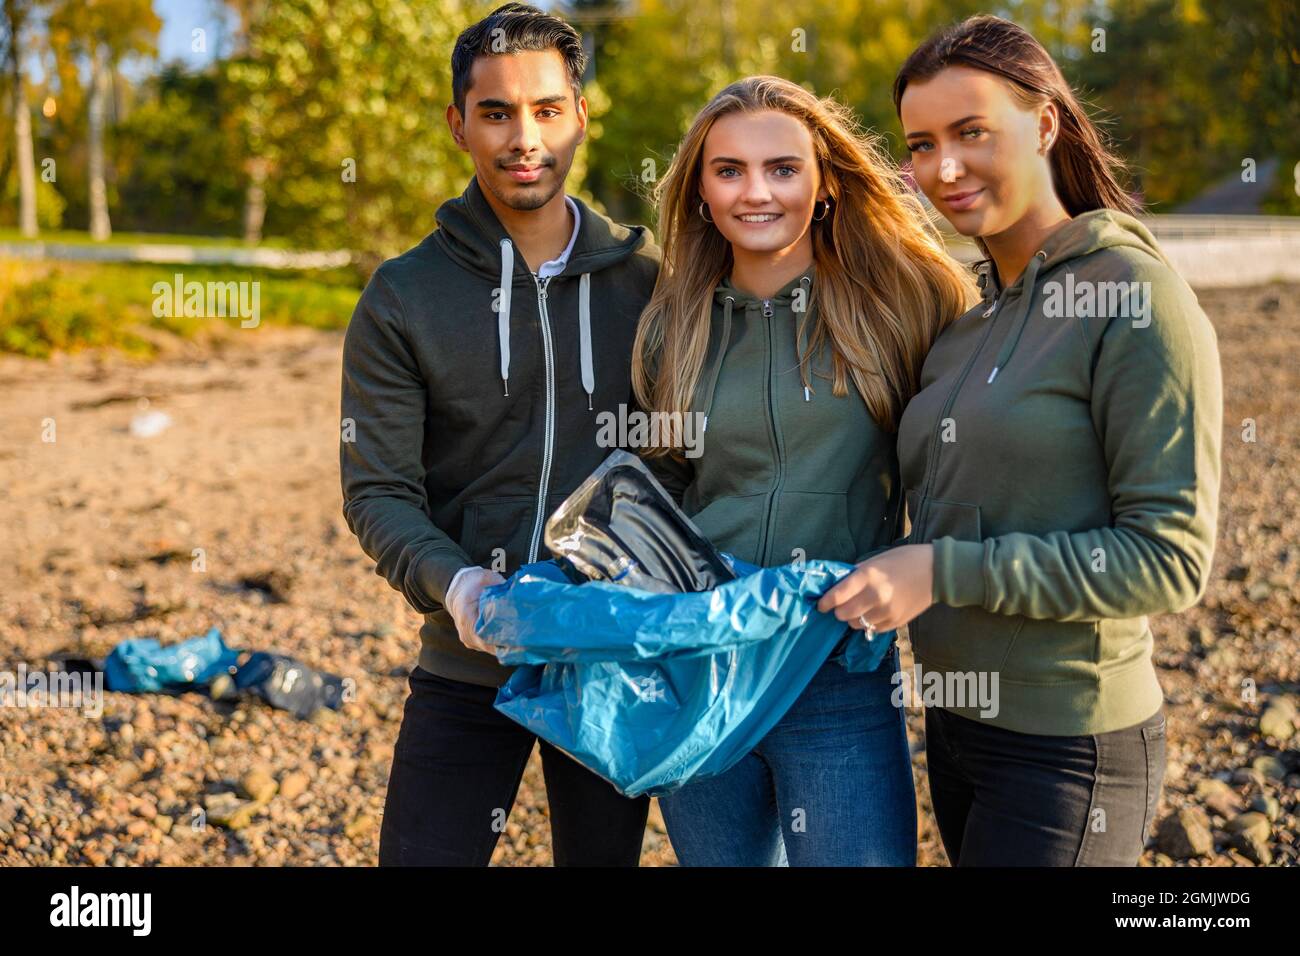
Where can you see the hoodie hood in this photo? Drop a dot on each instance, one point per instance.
(1081, 236)
(472, 235)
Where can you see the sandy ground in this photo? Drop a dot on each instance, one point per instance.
(100, 527)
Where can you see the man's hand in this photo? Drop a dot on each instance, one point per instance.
(462, 603)
(886, 591)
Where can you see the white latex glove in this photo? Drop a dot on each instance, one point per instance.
(462, 603)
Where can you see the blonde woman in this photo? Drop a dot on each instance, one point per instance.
(800, 290)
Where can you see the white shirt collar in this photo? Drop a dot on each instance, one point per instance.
(556, 266)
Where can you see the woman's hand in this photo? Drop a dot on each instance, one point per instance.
(886, 591)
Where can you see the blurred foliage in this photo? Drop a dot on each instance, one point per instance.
(316, 89)
(71, 306)
(334, 90)
(1195, 87)
(49, 204)
(1186, 89)
(178, 158)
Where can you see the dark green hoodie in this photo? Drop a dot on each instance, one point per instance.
(1062, 457)
(786, 474)
(468, 416)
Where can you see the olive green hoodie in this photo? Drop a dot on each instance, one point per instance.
(1062, 456)
(785, 473)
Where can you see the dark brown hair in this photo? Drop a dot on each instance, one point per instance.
(1085, 172)
(522, 27)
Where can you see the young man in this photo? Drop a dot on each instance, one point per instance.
(473, 371)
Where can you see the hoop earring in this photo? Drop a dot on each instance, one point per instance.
(826, 209)
(704, 206)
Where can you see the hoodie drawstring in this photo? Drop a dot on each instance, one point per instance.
(584, 336)
(801, 339)
(1019, 323)
(716, 370)
(503, 310)
(586, 359)
(717, 362)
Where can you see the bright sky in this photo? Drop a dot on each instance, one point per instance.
(181, 17)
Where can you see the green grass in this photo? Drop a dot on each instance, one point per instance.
(78, 237)
(72, 306)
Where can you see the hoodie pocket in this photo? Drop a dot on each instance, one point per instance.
(943, 519)
(812, 525)
(497, 531)
(733, 524)
(959, 638)
(1052, 652)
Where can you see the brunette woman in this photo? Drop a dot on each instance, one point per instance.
(1061, 461)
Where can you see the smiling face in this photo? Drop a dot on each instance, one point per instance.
(760, 179)
(975, 149)
(521, 126)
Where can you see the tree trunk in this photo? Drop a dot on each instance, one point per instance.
(25, 155)
(100, 228)
(26, 160)
(254, 200)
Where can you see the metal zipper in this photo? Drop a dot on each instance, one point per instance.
(764, 557)
(923, 504)
(548, 443)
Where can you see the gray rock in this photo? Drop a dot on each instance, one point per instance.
(1269, 767)
(1254, 824)
(1253, 848)
(1217, 796)
(1268, 806)
(228, 811)
(1284, 704)
(1277, 722)
(1259, 591)
(1246, 776)
(1185, 834)
(258, 785)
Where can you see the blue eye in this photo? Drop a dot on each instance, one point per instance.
(917, 146)
(793, 171)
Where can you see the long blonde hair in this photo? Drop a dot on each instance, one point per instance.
(884, 287)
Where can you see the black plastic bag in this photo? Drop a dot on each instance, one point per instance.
(621, 526)
(289, 684)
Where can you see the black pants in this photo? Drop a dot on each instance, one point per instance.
(1003, 798)
(456, 771)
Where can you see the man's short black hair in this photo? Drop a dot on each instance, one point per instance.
(522, 27)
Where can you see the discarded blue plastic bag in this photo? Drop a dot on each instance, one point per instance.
(653, 690)
(141, 664)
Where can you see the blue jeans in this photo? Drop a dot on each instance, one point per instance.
(830, 785)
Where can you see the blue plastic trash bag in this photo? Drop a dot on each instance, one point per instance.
(652, 690)
(141, 664)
